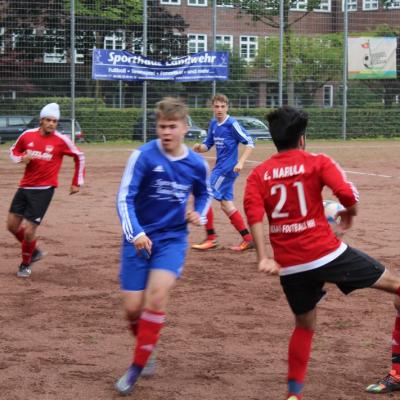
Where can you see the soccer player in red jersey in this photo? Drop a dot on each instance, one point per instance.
(41, 150)
(287, 187)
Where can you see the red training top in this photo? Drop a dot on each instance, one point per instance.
(288, 187)
(47, 152)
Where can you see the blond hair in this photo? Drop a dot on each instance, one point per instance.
(221, 98)
(171, 108)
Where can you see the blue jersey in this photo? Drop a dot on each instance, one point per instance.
(226, 137)
(155, 189)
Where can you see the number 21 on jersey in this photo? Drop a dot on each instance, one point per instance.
(281, 189)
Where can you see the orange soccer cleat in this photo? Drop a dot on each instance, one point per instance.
(206, 245)
(245, 245)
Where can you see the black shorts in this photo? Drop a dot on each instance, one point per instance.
(352, 270)
(32, 204)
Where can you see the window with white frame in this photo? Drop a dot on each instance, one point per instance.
(171, 2)
(2, 41)
(55, 48)
(324, 6)
(370, 5)
(224, 42)
(328, 95)
(299, 5)
(351, 5)
(115, 40)
(198, 3)
(392, 4)
(248, 47)
(224, 3)
(137, 44)
(197, 42)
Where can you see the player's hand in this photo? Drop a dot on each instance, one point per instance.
(26, 159)
(197, 147)
(238, 167)
(268, 266)
(143, 242)
(344, 219)
(74, 189)
(193, 217)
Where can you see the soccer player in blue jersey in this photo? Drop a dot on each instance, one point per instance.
(226, 134)
(152, 206)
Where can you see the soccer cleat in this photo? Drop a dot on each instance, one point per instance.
(206, 245)
(24, 271)
(390, 383)
(245, 245)
(126, 383)
(150, 368)
(37, 255)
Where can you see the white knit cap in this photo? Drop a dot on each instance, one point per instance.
(50, 110)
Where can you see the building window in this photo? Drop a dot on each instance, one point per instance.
(197, 43)
(351, 5)
(171, 2)
(248, 47)
(370, 5)
(2, 41)
(137, 45)
(392, 4)
(328, 96)
(224, 3)
(55, 49)
(199, 3)
(324, 6)
(224, 42)
(299, 5)
(115, 41)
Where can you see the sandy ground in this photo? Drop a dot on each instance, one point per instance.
(62, 331)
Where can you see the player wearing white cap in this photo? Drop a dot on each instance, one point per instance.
(41, 150)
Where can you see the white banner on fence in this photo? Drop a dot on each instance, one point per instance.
(372, 58)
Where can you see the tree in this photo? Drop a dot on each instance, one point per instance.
(315, 61)
(267, 12)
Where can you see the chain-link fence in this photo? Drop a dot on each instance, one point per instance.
(281, 52)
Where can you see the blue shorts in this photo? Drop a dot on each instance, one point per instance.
(168, 255)
(222, 185)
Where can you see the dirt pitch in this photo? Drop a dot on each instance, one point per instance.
(62, 334)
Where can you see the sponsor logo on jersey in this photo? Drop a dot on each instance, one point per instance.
(159, 168)
(49, 148)
(39, 155)
(31, 144)
(267, 176)
(286, 172)
(172, 191)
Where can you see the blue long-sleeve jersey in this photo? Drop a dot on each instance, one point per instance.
(226, 137)
(154, 192)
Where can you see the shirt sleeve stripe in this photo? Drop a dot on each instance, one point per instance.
(123, 193)
(239, 130)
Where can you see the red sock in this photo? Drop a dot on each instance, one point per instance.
(149, 327)
(299, 354)
(210, 225)
(396, 346)
(237, 221)
(20, 234)
(27, 249)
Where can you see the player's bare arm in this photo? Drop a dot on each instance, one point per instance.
(200, 148)
(239, 166)
(193, 217)
(143, 242)
(74, 189)
(346, 217)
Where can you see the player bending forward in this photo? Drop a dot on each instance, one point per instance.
(287, 187)
(41, 150)
(152, 200)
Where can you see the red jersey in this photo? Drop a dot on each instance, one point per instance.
(288, 188)
(47, 153)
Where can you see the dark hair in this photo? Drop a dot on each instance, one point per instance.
(286, 125)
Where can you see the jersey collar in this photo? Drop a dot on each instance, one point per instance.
(226, 119)
(172, 158)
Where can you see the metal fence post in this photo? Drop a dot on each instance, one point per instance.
(280, 73)
(214, 36)
(345, 67)
(144, 88)
(72, 73)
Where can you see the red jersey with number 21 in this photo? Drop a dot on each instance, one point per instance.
(288, 188)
